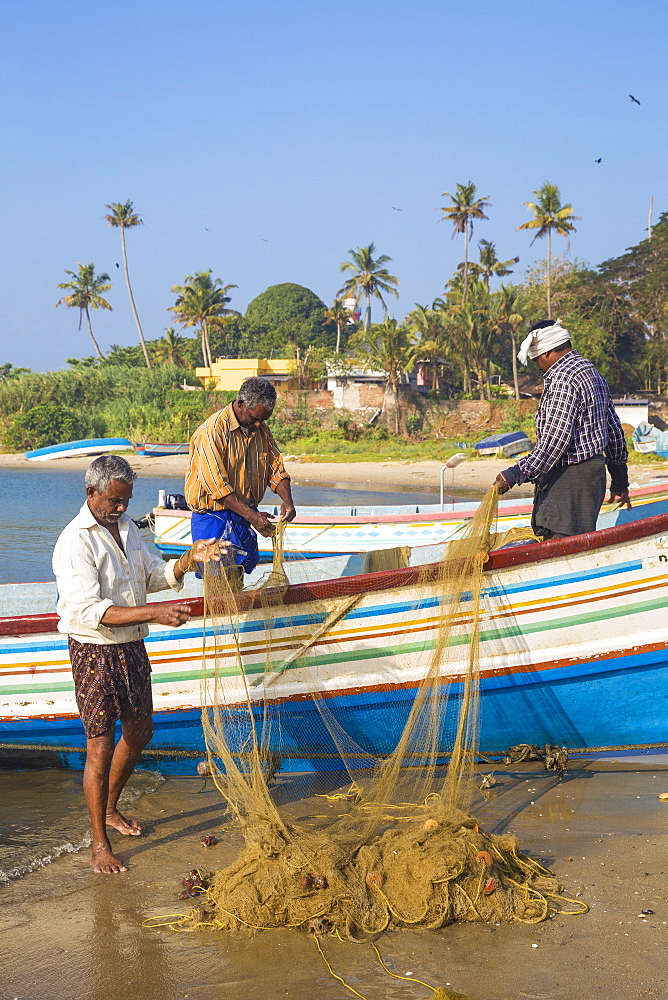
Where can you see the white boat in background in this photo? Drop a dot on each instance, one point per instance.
(319, 532)
(70, 449)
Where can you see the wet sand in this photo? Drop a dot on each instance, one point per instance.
(477, 474)
(68, 933)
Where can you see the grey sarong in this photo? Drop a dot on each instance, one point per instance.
(567, 502)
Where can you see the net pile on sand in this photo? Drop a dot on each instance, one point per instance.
(401, 849)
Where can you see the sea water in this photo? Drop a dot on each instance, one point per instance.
(35, 506)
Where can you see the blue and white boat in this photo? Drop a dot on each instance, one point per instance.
(89, 446)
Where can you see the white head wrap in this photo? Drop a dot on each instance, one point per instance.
(540, 341)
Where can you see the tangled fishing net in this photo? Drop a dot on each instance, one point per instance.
(399, 848)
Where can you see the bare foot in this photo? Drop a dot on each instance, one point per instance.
(128, 827)
(105, 862)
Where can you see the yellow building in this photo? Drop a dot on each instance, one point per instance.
(229, 373)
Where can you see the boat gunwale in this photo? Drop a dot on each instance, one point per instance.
(348, 586)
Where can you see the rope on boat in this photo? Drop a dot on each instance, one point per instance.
(159, 752)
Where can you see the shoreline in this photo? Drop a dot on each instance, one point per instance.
(478, 474)
(69, 926)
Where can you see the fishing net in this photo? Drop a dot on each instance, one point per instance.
(325, 678)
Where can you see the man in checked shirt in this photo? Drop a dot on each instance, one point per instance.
(578, 434)
(233, 459)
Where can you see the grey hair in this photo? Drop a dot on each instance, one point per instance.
(255, 391)
(106, 469)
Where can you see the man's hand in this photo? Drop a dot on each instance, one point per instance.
(212, 550)
(171, 614)
(262, 523)
(288, 512)
(622, 499)
(501, 484)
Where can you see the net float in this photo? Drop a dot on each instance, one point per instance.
(431, 824)
(208, 840)
(374, 880)
(320, 882)
(204, 769)
(490, 885)
(307, 881)
(485, 857)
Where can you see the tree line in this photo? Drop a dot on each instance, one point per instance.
(617, 311)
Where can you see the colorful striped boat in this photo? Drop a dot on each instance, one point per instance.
(572, 652)
(323, 531)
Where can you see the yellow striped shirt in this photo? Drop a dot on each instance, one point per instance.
(228, 458)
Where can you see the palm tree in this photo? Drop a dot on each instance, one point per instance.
(123, 216)
(202, 301)
(368, 277)
(337, 315)
(507, 320)
(549, 215)
(490, 266)
(170, 348)
(85, 293)
(430, 341)
(464, 209)
(387, 347)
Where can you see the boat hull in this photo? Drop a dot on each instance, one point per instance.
(91, 446)
(572, 652)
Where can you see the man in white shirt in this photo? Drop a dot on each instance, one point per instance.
(104, 572)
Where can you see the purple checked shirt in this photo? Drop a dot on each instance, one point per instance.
(576, 420)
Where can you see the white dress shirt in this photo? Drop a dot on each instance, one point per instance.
(93, 574)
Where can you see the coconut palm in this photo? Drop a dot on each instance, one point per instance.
(368, 277)
(549, 216)
(85, 293)
(337, 315)
(202, 301)
(490, 266)
(170, 347)
(461, 213)
(430, 339)
(123, 216)
(386, 347)
(507, 320)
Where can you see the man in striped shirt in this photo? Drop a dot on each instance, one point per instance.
(233, 459)
(578, 433)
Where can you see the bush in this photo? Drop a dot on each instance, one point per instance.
(45, 424)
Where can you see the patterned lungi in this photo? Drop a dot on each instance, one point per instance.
(110, 681)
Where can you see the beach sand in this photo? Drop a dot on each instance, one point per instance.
(475, 475)
(67, 933)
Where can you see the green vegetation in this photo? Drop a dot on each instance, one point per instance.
(85, 293)
(107, 401)
(122, 216)
(466, 341)
(284, 315)
(368, 277)
(549, 216)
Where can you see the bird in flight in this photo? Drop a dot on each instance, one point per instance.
(599, 159)
(634, 99)
(118, 265)
(395, 208)
(263, 239)
(206, 230)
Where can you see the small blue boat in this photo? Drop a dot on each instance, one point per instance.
(160, 449)
(89, 446)
(508, 444)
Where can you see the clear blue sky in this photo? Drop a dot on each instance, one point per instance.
(302, 124)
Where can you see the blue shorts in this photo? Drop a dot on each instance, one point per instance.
(233, 528)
